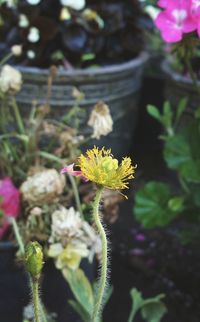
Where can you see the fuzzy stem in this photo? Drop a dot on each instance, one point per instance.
(36, 299)
(22, 250)
(104, 260)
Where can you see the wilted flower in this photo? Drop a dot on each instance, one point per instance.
(16, 50)
(10, 80)
(76, 5)
(9, 202)
(43, 187)
(68, 256)
(100, 120)
(99, 166)
(66, 223)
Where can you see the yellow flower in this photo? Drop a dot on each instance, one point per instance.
(99, 166)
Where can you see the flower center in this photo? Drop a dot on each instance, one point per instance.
(179, 16)
(109, 164)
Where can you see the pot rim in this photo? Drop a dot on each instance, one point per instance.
(110, 69)
(6, 244)
(174, 75)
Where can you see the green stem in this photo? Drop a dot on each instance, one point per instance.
(192, 74)
(36, 299)
(76, 194)
(104, 260)
(6, 58)
(132, 315)
(17, 235)
(22, 250)
(19, 120)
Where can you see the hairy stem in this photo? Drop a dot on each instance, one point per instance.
(22, 251)
(104, 259)
(36, 299)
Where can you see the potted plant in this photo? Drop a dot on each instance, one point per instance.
(96, 47)
(179, 27)
(37, 201)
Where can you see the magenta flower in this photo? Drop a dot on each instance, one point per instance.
(70, 170)
(175, 20)
(195, 7)
(163, 3)
(9, 203)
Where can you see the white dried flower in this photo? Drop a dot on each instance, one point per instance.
(10, 80)
(33, 2)
(66, 223)
(100, 120)
(23, 21)
(16, 50)
(74, 4)
(43, 187)
(33, 35)
(31, 54)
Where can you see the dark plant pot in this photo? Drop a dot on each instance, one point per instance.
(116, 85)
(13, 285)
(177, 87)
(15, 290)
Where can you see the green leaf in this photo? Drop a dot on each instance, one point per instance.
(154, 112)
(80, 287)
(181, 108)
(137, 299)
(176, 204)
(151, 205)
(182, 153)
(80, 310)
(153, 309)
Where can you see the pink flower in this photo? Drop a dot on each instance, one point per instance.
(70, 170)
(9, 203)
(175, 20)
(195, 7)
(163, 3)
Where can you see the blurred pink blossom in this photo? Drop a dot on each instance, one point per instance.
(176, 19)
(9, 203)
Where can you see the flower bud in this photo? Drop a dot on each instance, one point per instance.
(34, 259)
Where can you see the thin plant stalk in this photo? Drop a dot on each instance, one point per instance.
(5, 59)
(76, 194)
(17, 235)
(104, 260)
(192, 74)
(19, 120)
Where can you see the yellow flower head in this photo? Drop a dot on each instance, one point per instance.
(99, 166)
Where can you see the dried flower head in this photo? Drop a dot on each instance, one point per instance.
(43, 187)
(10, 80)
(16, 50)
(76, 5)
(100, 120)
(66, 223)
